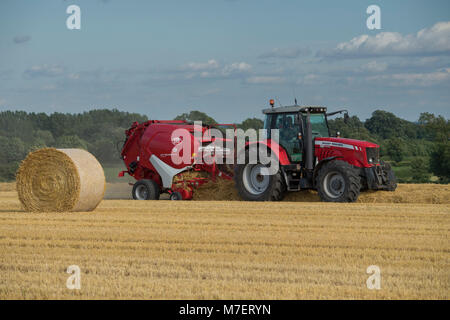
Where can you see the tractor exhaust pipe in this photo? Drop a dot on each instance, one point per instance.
(308, 144)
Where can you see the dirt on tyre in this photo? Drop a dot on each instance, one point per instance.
(254, 185)
(146, 190)
(338, 181)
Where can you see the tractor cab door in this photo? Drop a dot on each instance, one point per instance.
(288, 125)
(319, 124)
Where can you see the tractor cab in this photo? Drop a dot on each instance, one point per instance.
(291, 122)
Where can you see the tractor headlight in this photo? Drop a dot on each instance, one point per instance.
(372, 155)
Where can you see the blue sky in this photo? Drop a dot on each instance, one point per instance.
(226, 58)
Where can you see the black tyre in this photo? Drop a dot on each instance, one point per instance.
(253, 185)
(176, 196)
(146, 190)
(338, 181)
(391, 183)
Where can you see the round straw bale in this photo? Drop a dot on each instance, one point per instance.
(58, 180)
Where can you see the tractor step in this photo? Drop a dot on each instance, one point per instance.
(293, 185)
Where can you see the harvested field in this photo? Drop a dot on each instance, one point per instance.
(224, 190)
(228, 249)
(405, 193)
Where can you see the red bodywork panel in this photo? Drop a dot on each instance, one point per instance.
(155, 137)
(349, 150)
(277, 149)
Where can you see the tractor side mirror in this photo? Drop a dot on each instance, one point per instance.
(346, 118)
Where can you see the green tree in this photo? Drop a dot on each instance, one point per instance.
(196, 116)
(8, 171)
(104, 150)
(435, 128)
(387, 125)
(41, 139)
(353, 128)
(61, 124)
(12, 150)
(16, 124)
(440, 161)
(420, 171)
(72, 141)
(45, 136)
(36, 144)
(251, 123)
(395, 149)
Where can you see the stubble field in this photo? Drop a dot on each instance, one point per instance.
(230, 249)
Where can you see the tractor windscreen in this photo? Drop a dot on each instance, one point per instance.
(319, 125)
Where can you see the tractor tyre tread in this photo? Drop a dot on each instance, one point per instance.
(392, 179)
(275, 192)
(351, 176)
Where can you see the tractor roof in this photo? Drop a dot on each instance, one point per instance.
(290, 109)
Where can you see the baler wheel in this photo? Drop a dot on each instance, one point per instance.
(146, 190)
(176, 196)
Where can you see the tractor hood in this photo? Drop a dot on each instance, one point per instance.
(342, 142)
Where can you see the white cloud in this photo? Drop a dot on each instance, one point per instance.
(285, 53)
(265, 80)
(428, 41)
(74, 76)
(237, 67)
(200, 66)
(213, 69)
(44, 70)
(420, 79)
(375, 66)
(310, 79)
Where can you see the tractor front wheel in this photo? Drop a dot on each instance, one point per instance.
(391, 183)
(338, 181)
(146, 190)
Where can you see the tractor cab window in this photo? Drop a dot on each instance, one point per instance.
(288, 126)
(319, 125)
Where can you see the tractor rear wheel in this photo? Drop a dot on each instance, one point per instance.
(338, 181)
(254, 185)
(146, 190)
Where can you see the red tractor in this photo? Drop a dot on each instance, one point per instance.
(308, 158)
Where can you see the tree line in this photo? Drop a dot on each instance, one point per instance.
(419, 150)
